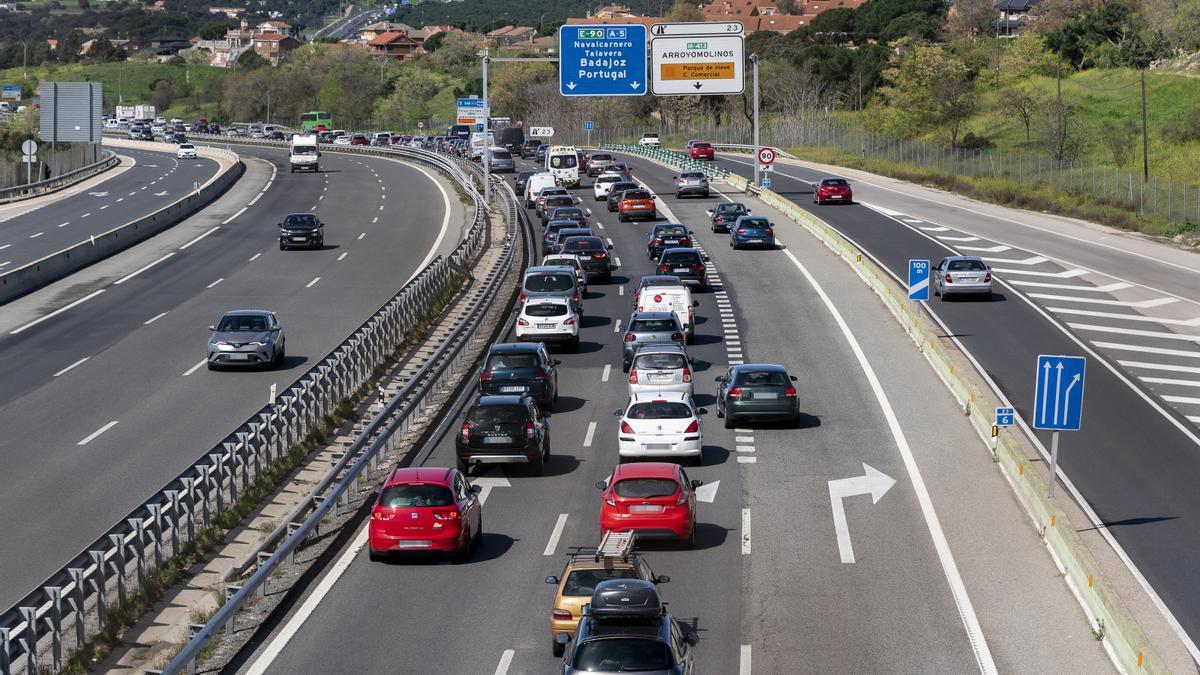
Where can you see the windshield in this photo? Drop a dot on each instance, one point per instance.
(636, 194)
(546, 309)
(652, 325)
(681, 257)
(582, 244)
(563, 161)
(243, 323)
(754, 222)
(487, 415)
(625, 655)
(660, 362)
(512, 361)
(762, 378)
(966, 266)
(645, 488)
(659, 410)
(582, 583)
(549, 283)
(412, 496)
(501, 154)
(303, 150)
(836, 182)
(304, 220)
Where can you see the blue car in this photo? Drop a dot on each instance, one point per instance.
(754, 231)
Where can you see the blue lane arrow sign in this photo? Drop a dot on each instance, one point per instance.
(766, 182)
(602, 60)
(1058, 397)
(1006, 417)
(918, 279)
(587, 126)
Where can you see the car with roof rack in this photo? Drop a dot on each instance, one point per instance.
(626, 628)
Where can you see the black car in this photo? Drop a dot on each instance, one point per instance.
(522, 179)
(301, 229)
(275, 136)
(503, 429)
(568, 213)
(593, 255)
(567, 232)
(554, 202)
(530, 148)
(667, 235)
(511, 139)
(617, 189)
(550, 236)
(723, 216)
(685, 263)
(626, 628)
(761, 391)
(521, 368)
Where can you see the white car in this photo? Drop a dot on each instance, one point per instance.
(674, 298)
(572, 261)
(536, 183)
(342, 140)
(660, 424)
(650, 140)
(186, 151)
(550, 320)
(660, 367)
(603, 184)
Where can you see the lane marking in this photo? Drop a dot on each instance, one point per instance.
(958, 589)
(97, 432)
(1107, 288)
(313, 282)
(1167, 380)
(104, 207)
(555, 534)
(745, 448)
(1182, 399)
(254, 257)
(1140, 304)
(746, 459)
(1148, 350)
(154, 318)
(1132, 331)
(56, 312)
(375, 220)
(362, 235)
(343, 255)
(1160, 366)
(1032, 260)
(505, 661)
(744, 667)
(1067, 274)
(5, 246)
(620, 290)
(214, 229)
(133, 274)
(215, 282)
(743, 439)
(987, 249)
(587, 438)
(607, 370)
(252, 201)
(617, 326)
(35, 236)
(745, 538)
(194, 368)
(79, 362)
(1127, 317)
(617, 260)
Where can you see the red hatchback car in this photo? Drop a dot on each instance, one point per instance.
(701, 150)
(425, 509)
(655, 499)
(833, 190)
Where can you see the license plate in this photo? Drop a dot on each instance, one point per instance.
(766, 395)
(645, 508)
(545, 325)
(297, 238)
(660, 378)
(239, 357)
(968, 279)
(497, 440)
(414, 543)
(682, 269)
(835, 196)
(657, 446)
(512, 388)
(671, 241)
(754, 241)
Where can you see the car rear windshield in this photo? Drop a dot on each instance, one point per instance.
(966, 266)
(608, 178)
(636, 194)
(659, 362)
(622, 186)
(568, 212)
(836, 182)
(413, 496)
(246, 323)
(671, 231)
(652, 325)
(683, 257)
(501, 154)
(702, 145)
(582, 244)
(582, 583)
(645, 487)
(511, 361)
(546, 309)
(624, 655)
(549, 283)
(549, 192)
(497, 414)
(762, 378)
(559, 200)
(754, 222)
(601, 157)
(659, 410)
(693, 175)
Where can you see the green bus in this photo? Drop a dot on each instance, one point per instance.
(309, 121)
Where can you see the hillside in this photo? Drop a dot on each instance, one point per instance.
(195, 87)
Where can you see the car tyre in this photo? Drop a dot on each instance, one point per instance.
(730, 421)
(538, 466)
(557, 649)
(574, 346)
(282, 247)
(375, 556)
(690, 338)
(706, 195)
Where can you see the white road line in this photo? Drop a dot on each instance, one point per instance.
(617, 326)
(505, 661)
(745, 448)
(610, 241)
(1169, 367)
(620, 290)
(104, 207)
(1126, 317)
(987, 249)
(1194, 418)
(744, 661)
(97, 432)
(934, 228)
(1140, 304)
(56, 312)
(231, 218)
(254, 257)
(1182, 399)
(1032, 260)
(194, 368)
(736, 362)
(1107, 288)
(312, 283)
(747, 459)
(362, 235)
(1132, 331)
(743, 439)
(375, 219)
(600, 225)
(35, 236)
(745, 547)
(64, 224)
(1065, 274)
(133, 274)
(343, 255)
(215, 282)
(214, 229)
(607, 370)
(1147, 350)
(1167, 380)
(79, 362)
(587, 438)
(381, 207)
(556, 534)
(949, 238)
(958, 590)
(252, 201)
(5, 246)
(120, 199)
(154, 318)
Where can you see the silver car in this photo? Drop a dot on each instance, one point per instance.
(246, 337)
(962, 275)
(646, 328)
(660, 368)
(501, 161)
(551, 281)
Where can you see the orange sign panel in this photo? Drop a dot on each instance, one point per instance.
(697, 71)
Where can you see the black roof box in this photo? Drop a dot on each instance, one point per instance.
(625, 598)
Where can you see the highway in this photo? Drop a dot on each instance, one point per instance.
(155, 180)
(768, 586)
(108, 399)
(1134, 316)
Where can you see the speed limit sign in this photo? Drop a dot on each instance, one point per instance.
(766, 155)
(420, 125)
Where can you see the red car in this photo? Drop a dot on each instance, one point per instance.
(701, 150)
(359, 139)
(833, 190)
(656, 499)
(425, 509)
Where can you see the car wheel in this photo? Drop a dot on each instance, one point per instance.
(943, 296)
(690, 542)
(706, 195)
(282, 247)
(575, 345)
(621, 218)
(730, 421)
(676, 195)
(212, 366)
(625, 366)
(538, 466)
(557, 649)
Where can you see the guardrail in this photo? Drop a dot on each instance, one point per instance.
(672, 158)
(749, 149)
(73, 603)
(30, 190)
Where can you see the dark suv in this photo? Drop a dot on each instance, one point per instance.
(625, 629)
(503, 430)
(664, 236)
(301, 229)
(529, 148)
(555, 202)
(687, 264)
(521, 368)
(618, 189)
(593, 255)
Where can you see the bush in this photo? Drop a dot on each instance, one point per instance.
(972, 142)
(1182, 131)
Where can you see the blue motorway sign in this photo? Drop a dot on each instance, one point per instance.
(470, 103)
(918, 279)
(1058, 397)
(766, 182)
(1006, 417)
(587, 126)
(602, 60)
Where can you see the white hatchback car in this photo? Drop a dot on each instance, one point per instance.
(603, 184)
(550, 320)
(342, 140)
(661, 424)
(186, 151)
(660, 367)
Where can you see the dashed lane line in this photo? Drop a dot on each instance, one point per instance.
(68, 368)
(607, 370)
(312, 283)
(556, 534)
(591, 432)
(194, 368)
(215, 282)
(91, 437)
(138, 271)
(154, 318)
(254, 257)
(745, 532)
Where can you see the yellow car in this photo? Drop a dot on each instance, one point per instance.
(613, 559)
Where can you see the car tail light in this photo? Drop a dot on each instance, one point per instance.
(542, 375)
(522, 322)
(625, 428)
(466, 432)
(485, 376)
(687, 374)
(987, 278)
(560, 615)
(446, 515)
(575, 297)
(949, 279)
(610, 501)
(656, 240)
(736, 392)
(683, 498)
(629, 337)
(569, 322)
(521, 298)
(699, 267)
(692, 428)
(662, 269)
(529, 430)
(740, 231)
(633, 376)
(789, 392)
(600, 256)
(769, 231)
(381, 513)
(677, 336)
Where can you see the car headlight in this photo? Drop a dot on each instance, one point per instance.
(257, 344)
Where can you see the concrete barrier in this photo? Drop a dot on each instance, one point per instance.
(1114, 623)
(22, 192)
(39, 273)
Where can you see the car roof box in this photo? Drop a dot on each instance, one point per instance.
(626, 599)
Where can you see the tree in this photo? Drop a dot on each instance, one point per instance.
(1061, 132)
(1023, 57)
(1185, 25)
(68, 49)
(684, 11)
(413, 92)
(162, 95)
(431, 45)
(928, 88)
(970, 17)
(213, 30)
(916, 25)
(1023, 105)
(838, 21)
(251, 60)
(1120, 139)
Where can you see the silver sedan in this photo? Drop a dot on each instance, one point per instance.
(962, 275)
(246, 337)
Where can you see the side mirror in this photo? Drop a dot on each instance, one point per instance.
(608, 246)
(793, 378)
(601, 485)
(552, 579)
(701, 411)
(705, 258)
(476, 489)
(747, 210)
(709, 213)
(212, 328)
(616, 412)
(662, 579)
(771, 224)
(695, 303)
(691, 638)
(697, 483)
(719, 378)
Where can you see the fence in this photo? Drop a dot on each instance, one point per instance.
(75, 601)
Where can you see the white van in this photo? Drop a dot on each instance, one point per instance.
(563, 162)
(674, 298)
(536, 183)
(305, 155)
(479, 143)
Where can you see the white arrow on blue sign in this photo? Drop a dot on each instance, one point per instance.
(587, 126)
(602, 60)
(1058, 397)
(918, 279)
(1006, 417)
(766, 182)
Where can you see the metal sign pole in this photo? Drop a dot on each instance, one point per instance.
(487, 177)
(1053, 464)
(757, 172)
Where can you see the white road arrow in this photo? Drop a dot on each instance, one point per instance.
(708, 492)
(1057, 390)
(98, 194)
(487, 483)
(873, 482)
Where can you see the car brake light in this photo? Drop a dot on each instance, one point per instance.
(485, 376)
(663, 269)
(610, 501)
(683, 498)
(698, 267)
(769, 231)
(987, 278)
(790, 391)
(656, 240)
(529, 430)
(446, 515)
(740, 231)
(569, 322)
(542, 375)
(736, 392)
(692, 428)
(466, 432)
(625, 428)
(633, 376)
(600, 256)
(949, 279)
(677, 336)
(687, 374)
(381, 513)
(629, 337)
(521, 298)
(522, 322)
(575, 297)
(560, 615)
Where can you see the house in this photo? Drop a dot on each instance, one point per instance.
(394, 45)
(274, 26)
(1014, 14)
(612, 12)
(510, 34)
(169, 45)
(758, 15)
(273, 46)
(542, 46)
(231, 12)
(430, 31)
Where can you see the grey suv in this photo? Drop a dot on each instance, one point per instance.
(246, 337)
(597, 162)
(647, 328)
(552, 281)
